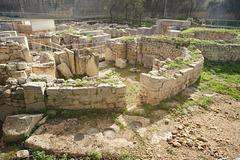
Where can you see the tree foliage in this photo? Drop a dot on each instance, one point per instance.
(110, 4)
(230, 6)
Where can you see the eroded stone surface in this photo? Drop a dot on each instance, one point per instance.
(16, 126)
(68, 137)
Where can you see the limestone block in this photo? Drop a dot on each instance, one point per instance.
(52, 91)
(19, 74)
(4, 35)
(66, 38)
(121, 63)
(32, 86)
(11, 67)
(16, 126)
(38, 106)
(109, 56)
(148, 60)
(104, 90)
(4, 50)
(21, 65)
(84, 91)
(121, 89)
(27, 56)
(20, 39)
(152, 82)
(64, 91)
(4, 57)
(55, 39)
(22, 154)
(92, 67)
(61, 57)
(12, 33)
(71, 60)
(173, 33)
(64, 70)
(45, 68)
(46, 57)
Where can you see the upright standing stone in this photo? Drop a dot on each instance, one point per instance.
(34, 95)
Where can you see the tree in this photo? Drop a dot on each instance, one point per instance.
(139, 6)
(230, 6)
(129, 4)
(110, 5)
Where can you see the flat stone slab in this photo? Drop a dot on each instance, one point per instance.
(77, 137)
(16, 126)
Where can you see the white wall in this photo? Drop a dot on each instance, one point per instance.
(43, 24)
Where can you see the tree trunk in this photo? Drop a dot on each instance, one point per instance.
(140, 19)
(126, 14)
(165, 8)
(111, 16)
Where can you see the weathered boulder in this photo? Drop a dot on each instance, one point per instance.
(65, 71)
(71, 60)
(46, 57)
(121, 63)
(16, 126)
(22, 154)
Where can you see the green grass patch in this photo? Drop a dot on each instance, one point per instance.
(130, 38)
(112, 65)
(221, 77)
(132, 91)
(178, 64)
(80, 83)
(192, 30)
(126, 155)
(203, 102)
(126, 71)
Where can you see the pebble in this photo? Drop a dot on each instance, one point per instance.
(176, 144)
(202, 139)
(166, 121)
(22, 154)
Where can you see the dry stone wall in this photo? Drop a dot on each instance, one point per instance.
(155, 87)
(147, 50)
(210, 35)
(220, 52)
(59, 94)
(115, 33)
(14, 52)
(75, 98)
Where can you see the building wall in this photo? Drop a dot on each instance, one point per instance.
(50, 8)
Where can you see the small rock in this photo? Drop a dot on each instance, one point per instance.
(180, 127)
(42, 121)
(190, 143)
(22, 154)
(176, 144)
(202, 139)
(169, 139)
(166, 121)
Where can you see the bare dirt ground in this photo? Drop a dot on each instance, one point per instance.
(207, 134)
(199, 134)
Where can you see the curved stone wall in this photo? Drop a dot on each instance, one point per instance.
(148, 48)
(159, 85)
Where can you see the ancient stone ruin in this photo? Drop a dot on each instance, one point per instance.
(60, 70)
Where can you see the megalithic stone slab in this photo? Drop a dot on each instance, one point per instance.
(16, 126)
